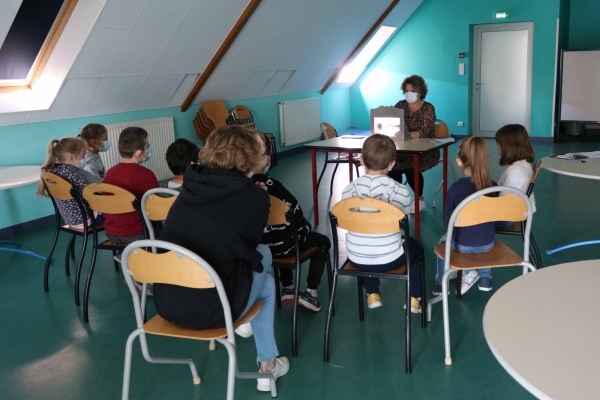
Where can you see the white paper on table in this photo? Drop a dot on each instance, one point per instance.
(590, 154)
(446, 140)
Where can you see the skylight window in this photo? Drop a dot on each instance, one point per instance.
(29, 41)
(352, 71)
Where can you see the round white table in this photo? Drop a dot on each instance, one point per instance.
(588, 168)
(544, 329)
(12, 177)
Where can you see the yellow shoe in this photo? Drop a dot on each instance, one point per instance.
(415, 305)
(374, 300)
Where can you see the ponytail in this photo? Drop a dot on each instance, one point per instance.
(473, 153)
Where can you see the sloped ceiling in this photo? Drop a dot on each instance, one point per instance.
(145, 54)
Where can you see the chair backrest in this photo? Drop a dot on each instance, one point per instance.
(109, 199)
(327, 131)
(242, 116)
(156, 207)
(278, 211)
(178, 266)
(441, 129)
(536, 170)
(58, 188)
(368, 215)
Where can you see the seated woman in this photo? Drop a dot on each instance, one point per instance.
(419, 116)
(220, 215)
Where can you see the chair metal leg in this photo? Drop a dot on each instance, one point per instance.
(322, 171)
(277, 288)
(48, 260)
(361, 308)
(70, 252)
(437, 191)
(423, 296)
(115, 262)
(332, 178)
(73, 248)
(445, 282)
(88, 282)
(232, 368)
(295, 315)
(329, 278)
(536, 250)
(357, 172)
(127, 369)
(329, 315)
(408, 331)
(459, 284)
(79, 266)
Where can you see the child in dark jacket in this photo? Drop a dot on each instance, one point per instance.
(280, 240)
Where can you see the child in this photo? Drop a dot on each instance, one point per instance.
(474, 158)
(66, 159)
(281, 242)
(382, 252)
(516, 151)
(96, 137)
(180, 154)
(130, 175)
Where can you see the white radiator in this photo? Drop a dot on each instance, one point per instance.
(299, 120)
(161, 134)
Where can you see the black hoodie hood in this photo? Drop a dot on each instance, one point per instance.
(203, 185)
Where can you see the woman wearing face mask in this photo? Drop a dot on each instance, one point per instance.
(419, 116)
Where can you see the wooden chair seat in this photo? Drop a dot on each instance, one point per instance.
(398, 271)
(108, 243)
(80, 230)
(159, 326)
(500, 256)
(291, 260)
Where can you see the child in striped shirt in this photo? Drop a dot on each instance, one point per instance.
(382, 252)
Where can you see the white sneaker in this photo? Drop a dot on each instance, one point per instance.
(282, 366)
(245, 330)
(468, 280)
(422, 206)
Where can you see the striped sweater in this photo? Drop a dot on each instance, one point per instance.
(376, 249)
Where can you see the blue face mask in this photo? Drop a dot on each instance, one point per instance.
(81, 163)
(105, 146)
(150, 151)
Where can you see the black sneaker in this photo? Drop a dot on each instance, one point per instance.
(287, 295)
(485, 284)
(306, 300)
(437, 290)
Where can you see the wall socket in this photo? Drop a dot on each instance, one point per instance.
(460, 123)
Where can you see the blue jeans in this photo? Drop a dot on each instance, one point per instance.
(483, 272)
(263, 290)
(124, 240)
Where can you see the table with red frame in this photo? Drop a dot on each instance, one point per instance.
(352, 145)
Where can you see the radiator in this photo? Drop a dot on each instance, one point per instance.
(161, 134)
(299, 120)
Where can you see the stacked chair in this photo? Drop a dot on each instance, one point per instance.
(212, 114)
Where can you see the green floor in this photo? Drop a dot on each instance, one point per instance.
(48, 352)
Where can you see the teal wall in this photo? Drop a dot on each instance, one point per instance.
(26, 144)
(584, 29)
(428, 45)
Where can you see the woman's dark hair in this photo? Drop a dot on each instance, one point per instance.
(180, 154)
(514, 144)
(418, 84)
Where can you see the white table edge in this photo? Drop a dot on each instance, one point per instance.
(511, 371)
(563, 172)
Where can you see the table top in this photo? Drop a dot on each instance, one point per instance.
(544, 328)
(589, 169)
(11, 177)
(354, 144)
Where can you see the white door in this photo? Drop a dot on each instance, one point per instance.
(501, 76)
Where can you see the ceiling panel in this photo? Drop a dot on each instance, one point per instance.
(231, 16)
(114, 95)
(71, 101)
(204, 15)
(229, 84)
(163, 15)
(254, 84)
(249, 57)
(277, 17)
(304, 81)
(300, 23)
(182, 90)
(139, 53)
(14, 118)
(180, 53)
(206, 54)
(98, 53)
(206, 92)
(156, 92)
(120, 13)
(277, 51)
(276, 82)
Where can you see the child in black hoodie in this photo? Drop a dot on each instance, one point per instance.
(280, 240)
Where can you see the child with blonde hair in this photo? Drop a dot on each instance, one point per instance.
(96, 137)
(474, 159)
(65, 158)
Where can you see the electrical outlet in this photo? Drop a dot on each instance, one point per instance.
(460, 123)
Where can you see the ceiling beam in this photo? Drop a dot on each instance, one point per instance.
(235, 31)
(360, 45)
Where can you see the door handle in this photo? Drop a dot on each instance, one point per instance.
(479, 84)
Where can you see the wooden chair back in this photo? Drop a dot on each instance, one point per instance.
(368, 215)
(277, 212)
(215, 111)
(509, 207)
(157, 207)
(241, 115)
(328, 131)
(170, 268)
(109, 199)
(58, 188)
(441, 129)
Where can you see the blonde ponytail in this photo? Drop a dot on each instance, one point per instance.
(57, 151)
(473, 153)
